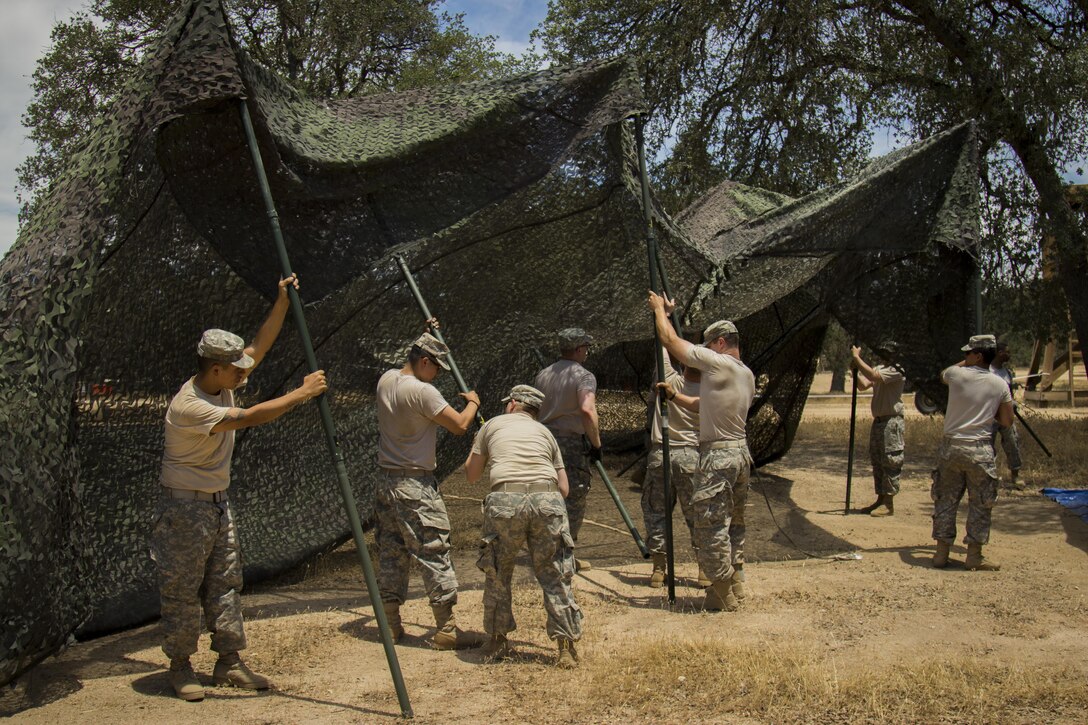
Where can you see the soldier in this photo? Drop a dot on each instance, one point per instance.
(720, 489)
(886, 433)
(412, 523)
(965, 459)
(1010, 437)
(570, 413)
(683, 464)
(194, 543)
(525, 507)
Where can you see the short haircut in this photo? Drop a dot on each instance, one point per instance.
(732, 339)
(1002, 346)
(518, 405)
(204, 364)
(416, 354)
(988, 354)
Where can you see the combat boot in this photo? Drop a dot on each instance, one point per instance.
(392, 616)
(940, 557)
(183, 679)
(720, 597)
(497, 649)
(232, 672)
(448, 635)
(873, 506)
(704, 580)
(568, 655)
(581, 565)
(886, 507)
(657, 576)
(737, 586)
(976, 562)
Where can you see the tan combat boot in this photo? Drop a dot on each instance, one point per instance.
(976, 562)
(873, 506)
(186, 685)
(568, 655)
(582, 565)
(736, 585)
(232, 672)
(886, 507)
(657, 576)
(940, 557)
(704, 580)
(720, 597)
(448, 635)
(497, 649)
(392, 616)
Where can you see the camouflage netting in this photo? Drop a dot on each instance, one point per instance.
(516, 203)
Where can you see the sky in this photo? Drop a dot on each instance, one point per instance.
(24, 37)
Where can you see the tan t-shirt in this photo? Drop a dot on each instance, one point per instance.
(194, 458)
(725, 395)
(519, 450)
(683, 423)
(407, 431)
(974, 395)
(887, 392)
(560, 383)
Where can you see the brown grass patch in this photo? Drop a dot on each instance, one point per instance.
(713, 678)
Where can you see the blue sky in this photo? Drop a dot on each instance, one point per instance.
(24, 36)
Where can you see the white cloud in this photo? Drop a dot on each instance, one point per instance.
(24, 37)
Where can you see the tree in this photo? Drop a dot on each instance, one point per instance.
(327, 48)
(787, 95)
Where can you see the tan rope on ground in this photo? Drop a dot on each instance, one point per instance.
(591, 522)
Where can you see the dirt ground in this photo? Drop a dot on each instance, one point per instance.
(879, 615)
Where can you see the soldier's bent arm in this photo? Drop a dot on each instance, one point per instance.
(677, 346)
(474, 466)
(237, 418)
(1004, 414)
(458, 422)
(587, 403)
(688, 402)
(872, 375)
(563, 483)
(270, 328)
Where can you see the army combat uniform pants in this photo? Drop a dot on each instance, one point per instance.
(964, 466)
(195, 548)
(1010, 443)
(537, 521)
(412, 525)
(886, 453)
(683, 467)
(576, 463)
(717, 502)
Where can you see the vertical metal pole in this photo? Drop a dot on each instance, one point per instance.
(853, 427)
(434, 330)
(326, 420)
(663, 408)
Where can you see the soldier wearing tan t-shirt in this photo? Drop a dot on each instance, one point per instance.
(570, 412)
(194, 543)
(886, 436)
(524, 509)
(720, 490)
(412, 522)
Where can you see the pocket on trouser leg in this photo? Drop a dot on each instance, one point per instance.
(487, 561)
(987, 492)
(564, 555)
(935, 485)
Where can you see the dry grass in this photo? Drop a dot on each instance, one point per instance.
(1064, 436)
(700, 680)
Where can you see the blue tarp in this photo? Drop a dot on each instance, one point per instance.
(1074, 499)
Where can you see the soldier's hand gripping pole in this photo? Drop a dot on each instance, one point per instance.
(326, 419)
(655, 268)
(427, 316)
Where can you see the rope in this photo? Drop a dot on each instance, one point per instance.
(844, 556)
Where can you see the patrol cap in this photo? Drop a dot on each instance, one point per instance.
(434, 347)
(980, 342)
(572, 338)
(718, 329)
(526, 394)
(225, 347)
(888, 346)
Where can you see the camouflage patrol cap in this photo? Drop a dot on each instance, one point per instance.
(980, 342)
(225, 347)
(526, 394)
(434, 348)
(572, 338)
(887, 346)
(718, 329)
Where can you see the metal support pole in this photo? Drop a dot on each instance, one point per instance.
(853, 426)
(663, 408)
(1029, 430)
(434, 330)
(326, 420)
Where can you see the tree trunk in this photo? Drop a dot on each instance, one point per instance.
(838, 381)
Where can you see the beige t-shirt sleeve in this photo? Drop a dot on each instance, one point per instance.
(427, 401)
(587, 381)
(198, 416)
(702, 358)
(557, 457)
(479, 444)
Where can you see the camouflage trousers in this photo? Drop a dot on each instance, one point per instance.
(539, 522)
(886, 453)
(576, 463)
(412, 525)
(719, 495)
(195, 548)
(683, 467)
(963, 466)
(1010, 443)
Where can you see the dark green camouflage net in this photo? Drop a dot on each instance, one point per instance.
(518, 206)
